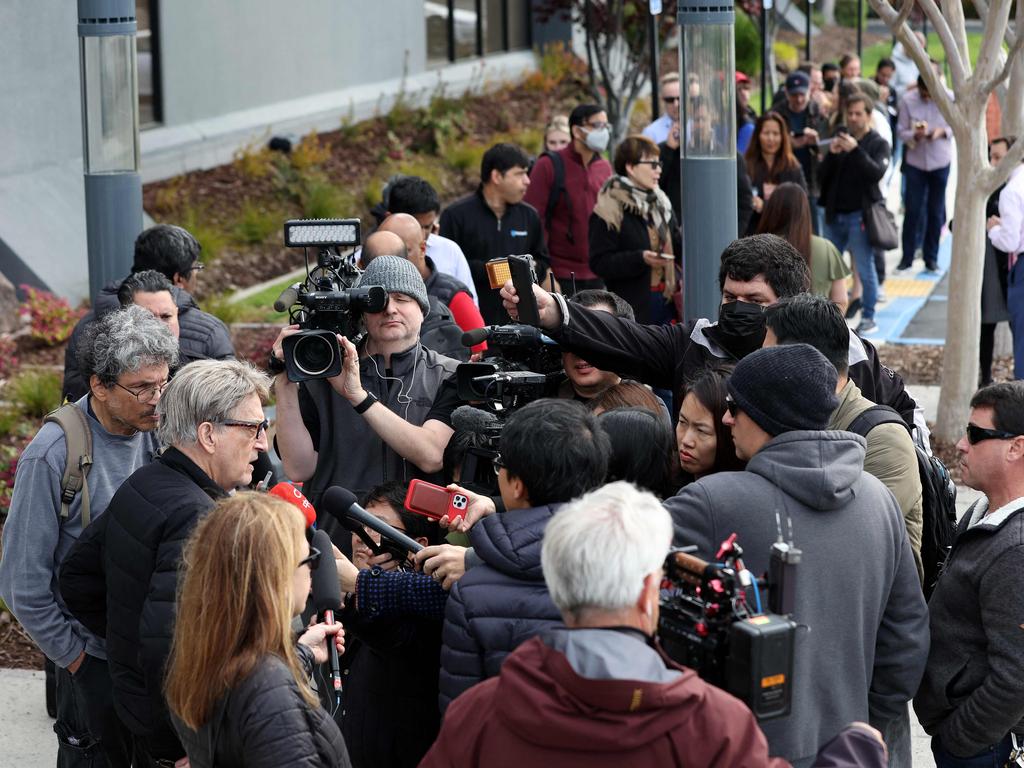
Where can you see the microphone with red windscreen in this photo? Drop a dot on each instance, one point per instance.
(293, 496)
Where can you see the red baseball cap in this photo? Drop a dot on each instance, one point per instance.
(741, 78)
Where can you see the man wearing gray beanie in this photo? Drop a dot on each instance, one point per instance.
(386, 416)
(863, 644)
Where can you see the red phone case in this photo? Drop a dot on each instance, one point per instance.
(433, 501)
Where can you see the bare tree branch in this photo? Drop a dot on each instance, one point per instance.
(996, 23)
(1013, 53)
(904, 14)
(956, 57)
(994, 176)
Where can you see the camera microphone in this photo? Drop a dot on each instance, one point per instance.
(466, 418)
(341, 503)
(293, 496)
(327, 598)
(476, 336)
(288, 297)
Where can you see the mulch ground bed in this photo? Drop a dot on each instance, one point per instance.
(16, 648)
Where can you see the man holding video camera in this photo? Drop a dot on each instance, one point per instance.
(386, 416)
(598, 691)
(863, 642)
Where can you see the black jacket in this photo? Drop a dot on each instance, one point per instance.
(148, 522)
(858, 170)
(483, 236)
(618, 258)
(264, 722)
(671, 184)
(666, 356)
(497, 605)
(201, 336)
(809, 157)
(389, 714)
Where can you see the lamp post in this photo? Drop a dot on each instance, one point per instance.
(807, 31)
(652, 34)
(110, 136)
(860, 27)
(708, 148)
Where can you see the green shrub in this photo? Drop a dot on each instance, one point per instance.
(222, 307)
(322, 200)
(787, 54)
(464, 157)
(256, 223)
(34, 392)
(51, 317)
(748, 45)
(211, 238)
(846, 12)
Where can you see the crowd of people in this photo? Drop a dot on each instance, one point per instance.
(174, 601)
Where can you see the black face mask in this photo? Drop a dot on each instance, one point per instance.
(828, 83)
(740, 328)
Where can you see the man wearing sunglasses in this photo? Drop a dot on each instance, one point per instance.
(972, 698)
(660, 128)
(212, 425)
(857, 593)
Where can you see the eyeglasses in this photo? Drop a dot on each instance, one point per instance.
(597, 126)
(670, 99)
(197, 267)
(976, 434)
(653, 163)
(497, 464)
(146, 394)
(732, 406)
(312, 560)
(259, 426)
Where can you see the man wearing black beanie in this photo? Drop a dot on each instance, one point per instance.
(857, 592)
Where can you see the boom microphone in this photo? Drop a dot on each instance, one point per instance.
(475, 336)
(514, 334)
(288, 297)
(341, 503)
(327, 598)
(293, 496)
(466, 418)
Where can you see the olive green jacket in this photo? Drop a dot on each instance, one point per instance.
(892, 458)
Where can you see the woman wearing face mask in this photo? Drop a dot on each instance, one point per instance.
(705, 443)
(770, 162)
(237, 684)
(633, 236)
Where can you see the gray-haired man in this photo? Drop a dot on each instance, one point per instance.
(212, 424)
(128, 354)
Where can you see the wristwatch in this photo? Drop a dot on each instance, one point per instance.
(369, 400)
(275, 364)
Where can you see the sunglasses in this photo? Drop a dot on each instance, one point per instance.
(732, 406)
(976, 434)
(313, 560)
(670, 99)
(652, 163)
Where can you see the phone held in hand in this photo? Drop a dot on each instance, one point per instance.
(433, 501)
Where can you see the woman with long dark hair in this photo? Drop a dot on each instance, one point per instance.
(238, 683)
(705, 443)
(788, 215)
(643, 450)
(770, 162)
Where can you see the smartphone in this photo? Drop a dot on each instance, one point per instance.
(523, 278)
(433, 501)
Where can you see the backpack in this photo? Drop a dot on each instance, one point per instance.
(441, 333)
(78, 437)
(557, 191)
(938, 497)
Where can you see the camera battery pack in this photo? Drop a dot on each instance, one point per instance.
(759, 670)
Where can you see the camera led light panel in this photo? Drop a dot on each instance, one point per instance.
(301, 233)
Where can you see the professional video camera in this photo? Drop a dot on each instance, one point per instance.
(522, 364)
(327, 302)
(708, 624)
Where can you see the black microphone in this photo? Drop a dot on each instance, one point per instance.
(288, 297)
(466, 418)
(341, 503)
(476, 336)
(327, 598)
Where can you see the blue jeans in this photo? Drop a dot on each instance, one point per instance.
(993, 757)
(847, 233)
(1015, 303)
(926, 211)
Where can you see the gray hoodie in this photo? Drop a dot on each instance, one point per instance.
(864, 649)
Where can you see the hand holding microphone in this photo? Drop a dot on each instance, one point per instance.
(327, 600)
(315, 638)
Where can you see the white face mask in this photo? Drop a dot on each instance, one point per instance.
(597, 139)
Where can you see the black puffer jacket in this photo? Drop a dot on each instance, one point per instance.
(201, 336)
(265, 723)
(497, 605)
(150, 517)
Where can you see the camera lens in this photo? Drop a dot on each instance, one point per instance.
(314, 354)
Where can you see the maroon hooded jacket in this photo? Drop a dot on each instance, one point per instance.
(540, 712)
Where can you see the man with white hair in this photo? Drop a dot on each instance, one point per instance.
(598, 691)
(212, 424)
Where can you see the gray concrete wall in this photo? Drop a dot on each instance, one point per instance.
(234, 55)
(42, 201)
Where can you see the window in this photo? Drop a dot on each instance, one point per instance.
(464, 29)
(148, 54)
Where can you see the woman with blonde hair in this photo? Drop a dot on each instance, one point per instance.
(238, 683)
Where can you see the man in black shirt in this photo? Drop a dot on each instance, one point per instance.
(850, 173)
(494, 222)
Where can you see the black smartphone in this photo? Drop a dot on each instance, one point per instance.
(523, 278)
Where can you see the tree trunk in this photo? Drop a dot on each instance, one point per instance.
(1013, 108)
(828, 12)
(963, 309)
